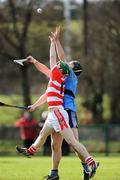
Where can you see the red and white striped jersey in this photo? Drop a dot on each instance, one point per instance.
(55, 89)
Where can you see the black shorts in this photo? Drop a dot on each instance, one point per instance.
(73, 121)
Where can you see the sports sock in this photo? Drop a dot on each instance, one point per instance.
(31, 150)
(54, 172)
(90, 161)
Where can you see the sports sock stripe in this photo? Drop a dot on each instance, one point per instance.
(32, 150)
(90, 161)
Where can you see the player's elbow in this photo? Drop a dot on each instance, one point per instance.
(48, 74)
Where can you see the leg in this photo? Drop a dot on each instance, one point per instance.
(44, 133)
(75, 132)
(81, 151)
(78, 147)
(73, 122)
(84, 164)
(56, 142)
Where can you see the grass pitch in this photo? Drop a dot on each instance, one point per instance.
(22, 168)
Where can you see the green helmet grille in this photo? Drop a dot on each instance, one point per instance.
(64, 68)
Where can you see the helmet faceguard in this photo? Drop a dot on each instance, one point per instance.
(64, 68)
(77, 68)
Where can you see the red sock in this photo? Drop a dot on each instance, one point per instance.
(31, 150)
(90, 161)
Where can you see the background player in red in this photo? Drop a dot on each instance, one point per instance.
(28, 129)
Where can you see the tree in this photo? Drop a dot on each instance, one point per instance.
(23, 32)
(102, 71)
(13, 35)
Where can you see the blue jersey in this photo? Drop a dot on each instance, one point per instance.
(71, 85)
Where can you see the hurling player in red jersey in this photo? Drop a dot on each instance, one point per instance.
(57, 120)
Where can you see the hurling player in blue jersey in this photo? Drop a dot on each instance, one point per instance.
(69, 105)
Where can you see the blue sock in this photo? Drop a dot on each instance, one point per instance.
(54, 172)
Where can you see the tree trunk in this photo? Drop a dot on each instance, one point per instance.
(115, 117)
(25, 85)
(85, 26)
(97, 107)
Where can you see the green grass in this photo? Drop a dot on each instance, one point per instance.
(21, 168)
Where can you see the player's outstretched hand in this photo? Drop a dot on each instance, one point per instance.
(57, 33)
(30, 59)
(31, 108)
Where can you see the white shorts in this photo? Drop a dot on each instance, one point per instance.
(58, 120)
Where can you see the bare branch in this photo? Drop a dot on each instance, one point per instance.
(14, 17)
(27, 21)
(8, 39)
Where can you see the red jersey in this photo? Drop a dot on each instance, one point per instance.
(55, 89)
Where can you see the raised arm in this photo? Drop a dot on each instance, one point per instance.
(59, 48)
(40, 67)
(52, 52)
(42, 99)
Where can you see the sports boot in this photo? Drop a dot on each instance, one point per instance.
(56, 177)
(22, 150)
(92, 169)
